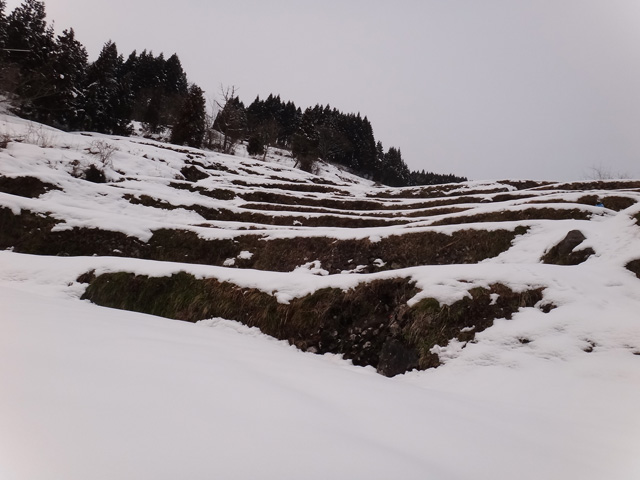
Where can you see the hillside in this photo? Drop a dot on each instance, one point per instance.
(512, 305)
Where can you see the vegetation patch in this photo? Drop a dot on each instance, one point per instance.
(217, 193)
(31, 233)
(612, 202)
(524, 184)
(226, 215)
(435, 324)
(518, 215)
(30, 187)
(270, 197)
(293, 187)
(594, 185)
(149, 201)
(370, 324)
(506, 197)
(349, 205)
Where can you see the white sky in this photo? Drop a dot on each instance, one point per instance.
(541, 89)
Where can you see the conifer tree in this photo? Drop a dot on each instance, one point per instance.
(30, 45)
(69, 70)
(3, 44)
(107, 104)
(190, 126)
(231, 121)
(3, 28)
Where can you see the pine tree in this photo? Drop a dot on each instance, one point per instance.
(108, 101)
(69, 69)
(3, 28)
(26, 29)
(4, 70)
(231, 121)
(30, 45)
(175, 79)
(189, 129)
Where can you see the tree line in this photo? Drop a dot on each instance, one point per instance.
(52, 81)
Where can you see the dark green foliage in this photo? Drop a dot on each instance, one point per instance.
(255, 146)
(328, 134)
(393, 171)
(231, 123)
(69, 64)
(107, 103)
(94, 174)
(430, 178)
(55, 85)
(31, 45)
(190, 125)
(158, 88)
(4, 70)
(52, 82)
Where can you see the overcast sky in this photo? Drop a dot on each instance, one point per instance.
(488, 89)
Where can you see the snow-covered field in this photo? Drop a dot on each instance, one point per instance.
(90, 392)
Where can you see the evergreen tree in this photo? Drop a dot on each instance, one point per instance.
(26, 29)
(175, 79)
(394, 172)
(231, 122)
(30, 45)
(107, 103)
(69, 70)
(3, 28)
(190, 126)
(304, 143)
(289, 120)
(4, 67)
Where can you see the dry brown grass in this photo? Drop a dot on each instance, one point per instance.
(594, 185)
(518, 215)
(30, 187)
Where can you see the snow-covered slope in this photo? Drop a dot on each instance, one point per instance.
(91, 392)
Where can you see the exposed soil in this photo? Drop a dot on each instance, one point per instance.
(192, 173)
(29, 187)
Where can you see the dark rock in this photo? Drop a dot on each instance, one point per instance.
(634, 266)
(192, 173)
(563, 253)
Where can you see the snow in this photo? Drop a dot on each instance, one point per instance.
(90, 392)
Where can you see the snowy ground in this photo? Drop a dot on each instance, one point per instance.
(89, 392)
